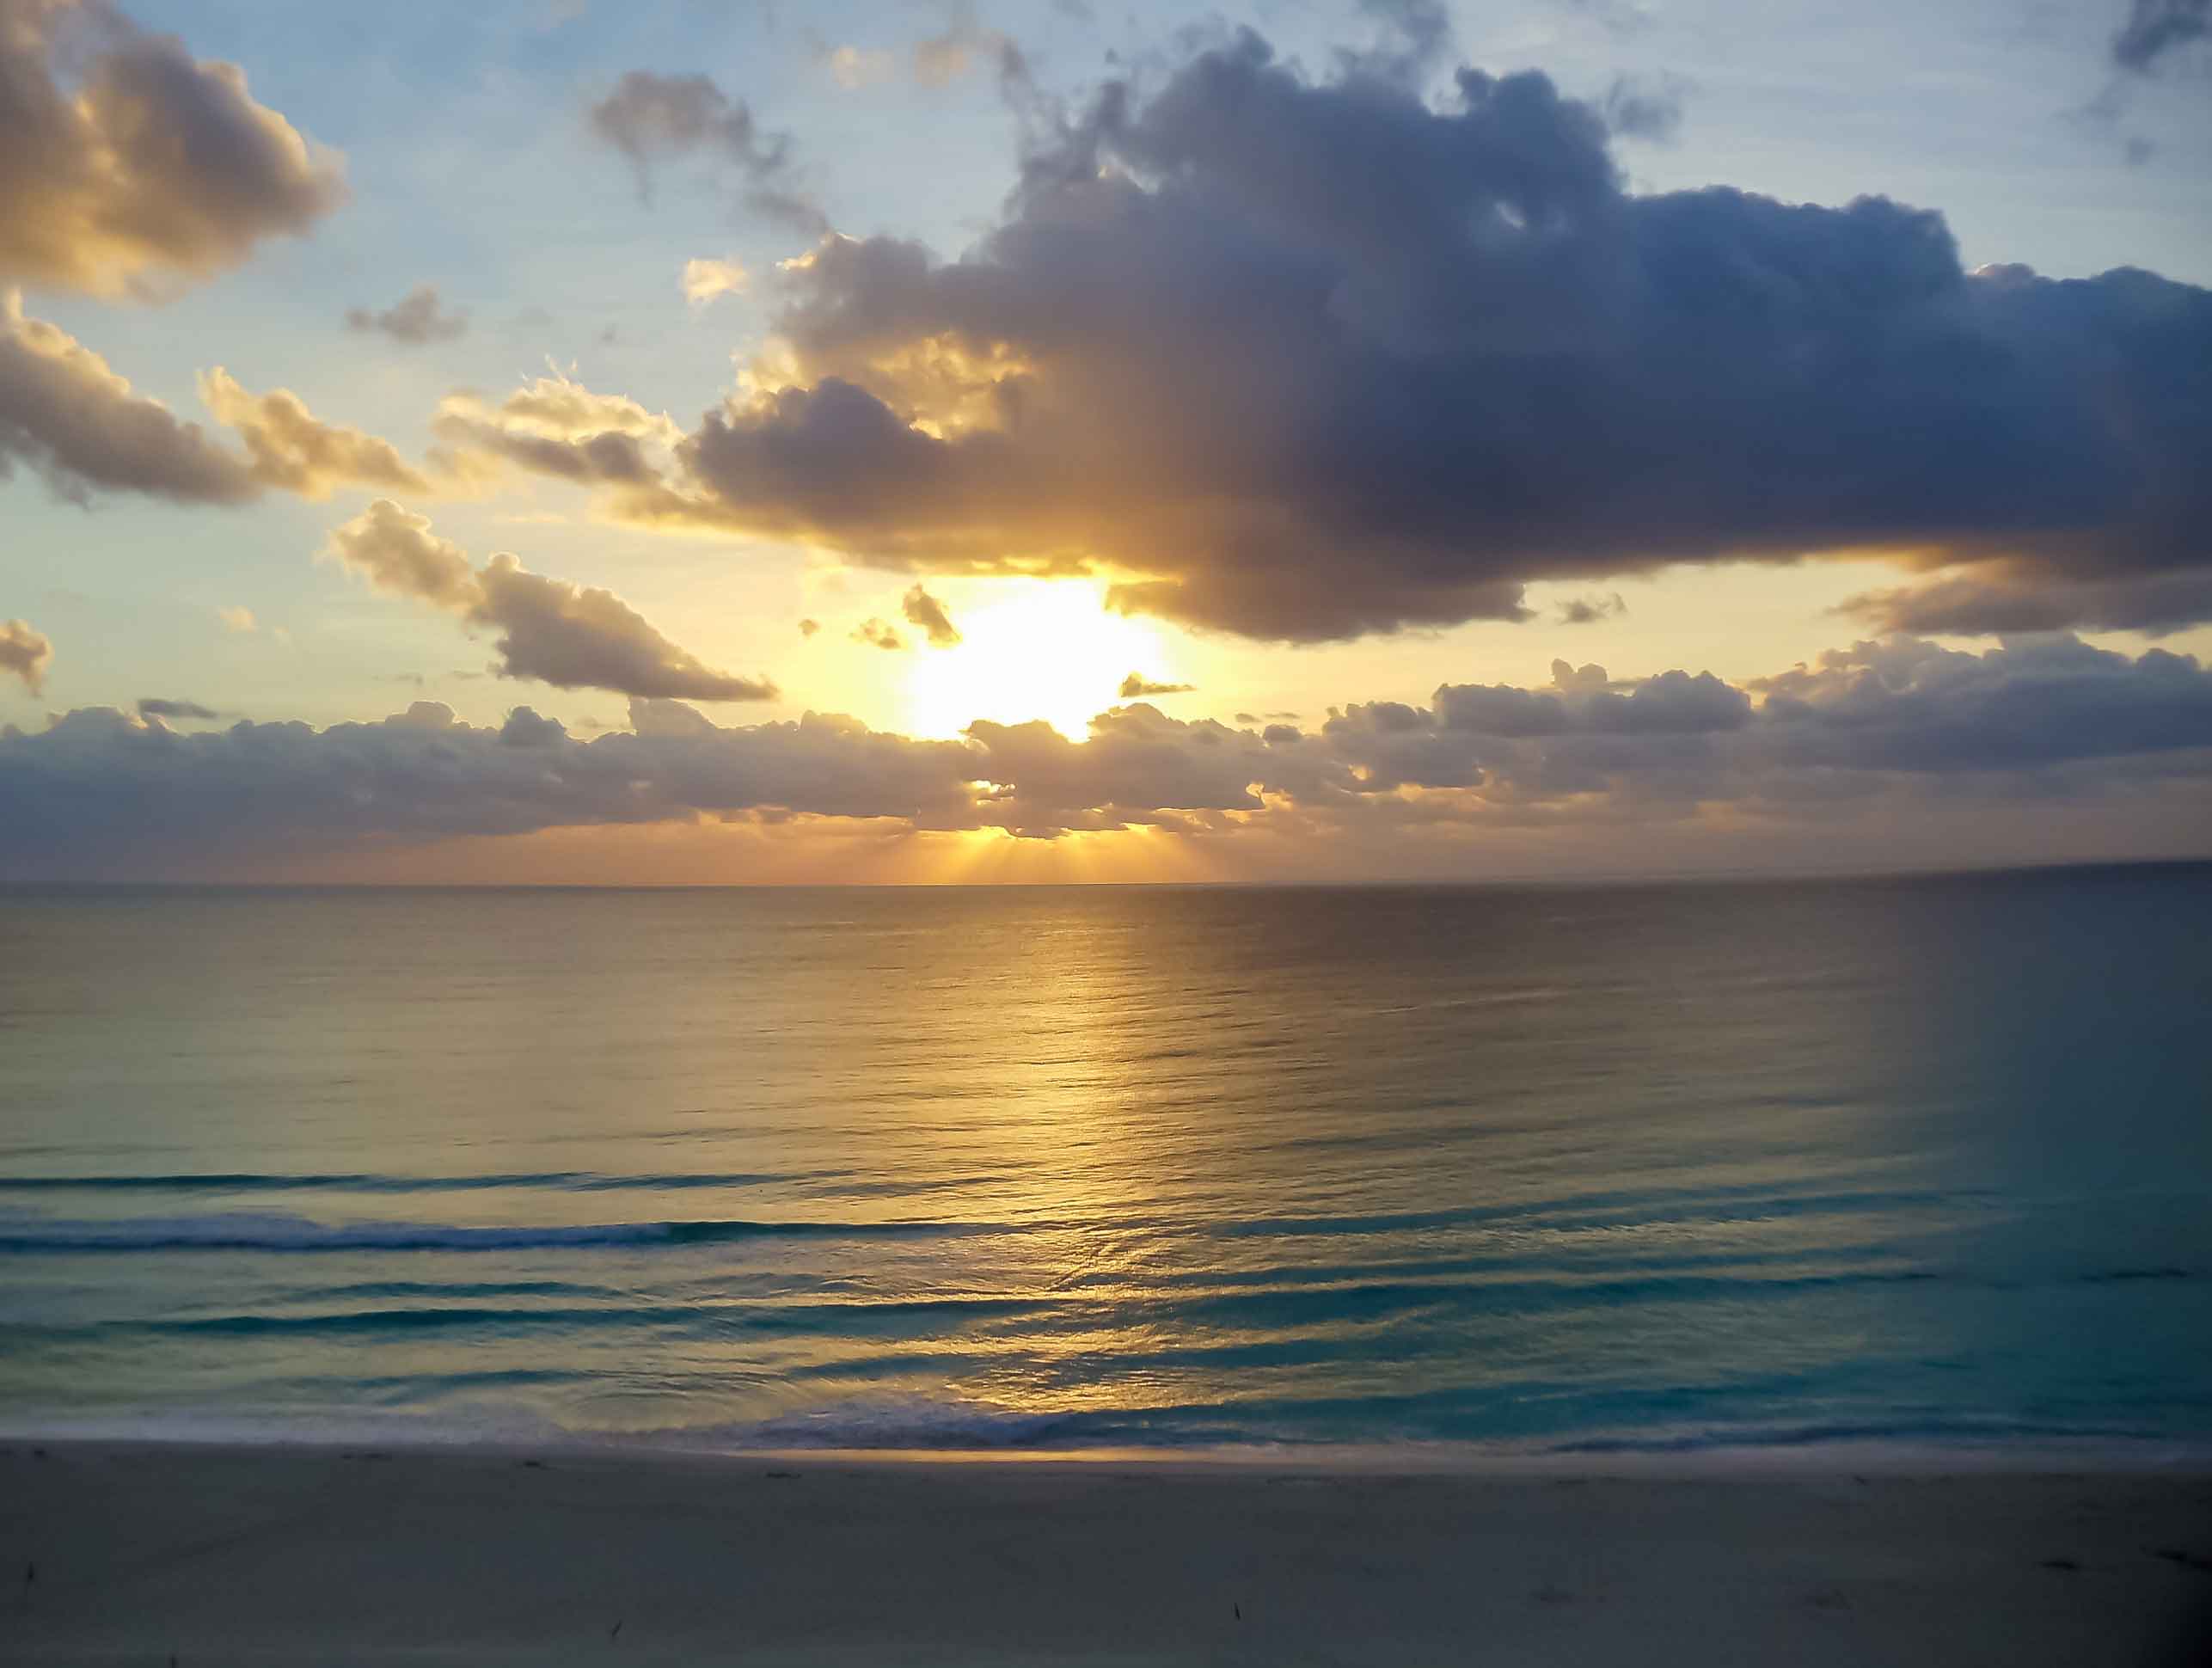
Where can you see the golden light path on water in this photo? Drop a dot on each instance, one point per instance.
(1096, 1166)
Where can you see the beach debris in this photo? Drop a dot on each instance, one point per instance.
(1237, 1610)
(616, 1629)
(2187, 1559)
(2061, 1564)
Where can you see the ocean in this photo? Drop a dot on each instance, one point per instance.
(1534, 1169)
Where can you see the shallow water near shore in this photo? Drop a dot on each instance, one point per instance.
(1574, 1170)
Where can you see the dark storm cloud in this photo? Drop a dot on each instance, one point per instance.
(1855, 722)
(1901, 723)
(926, 612)
(1903, 704)
(2001, 602)
(650, 116)
(416, 318)
(130, 166)
(2156, 28)
(154, 706)
(1137, 686)
(25, 653)
(1337, 359)
(570, 636)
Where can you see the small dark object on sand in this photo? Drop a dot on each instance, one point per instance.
(2061, 1563)
(1237, 1610)
(2196, 1560)
(616, 1629)
(535, 1465)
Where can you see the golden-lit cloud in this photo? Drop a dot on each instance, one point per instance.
(567, 636)
(963, 45)
(855, 67)
(927, 615)
(131, 167)
(25, 654)
(707, 278)
(294, 449)
(81, 426)
(555, 427)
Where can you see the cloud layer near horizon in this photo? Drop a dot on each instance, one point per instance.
(1868, 730)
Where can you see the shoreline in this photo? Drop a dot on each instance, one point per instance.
(382, 1552)
(1661, 1459)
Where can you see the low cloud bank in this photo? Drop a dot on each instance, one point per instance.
(1893, 730)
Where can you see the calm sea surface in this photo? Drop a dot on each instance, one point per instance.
(1924, 1159)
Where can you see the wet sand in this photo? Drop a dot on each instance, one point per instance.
(142, 1554)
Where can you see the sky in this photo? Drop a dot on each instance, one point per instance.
(706, 442)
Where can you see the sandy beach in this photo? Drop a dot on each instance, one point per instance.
(118, 1553)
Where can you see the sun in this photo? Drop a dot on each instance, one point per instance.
(1037, 648)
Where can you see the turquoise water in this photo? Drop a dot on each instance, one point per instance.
(1927, 1160)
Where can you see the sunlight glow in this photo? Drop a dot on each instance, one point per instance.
(1037, 648)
